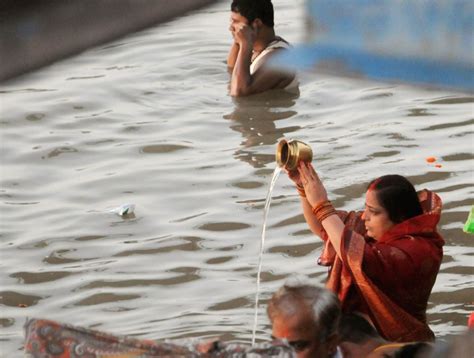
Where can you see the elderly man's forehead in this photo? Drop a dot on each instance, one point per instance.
(294, 325)
(291, 305)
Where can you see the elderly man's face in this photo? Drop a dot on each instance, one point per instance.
(301, 333)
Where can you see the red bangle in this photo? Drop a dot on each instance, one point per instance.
(321, 206)
(326, 215)
(323, 210)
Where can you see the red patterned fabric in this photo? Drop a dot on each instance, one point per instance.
(48, 339)
(389, 279)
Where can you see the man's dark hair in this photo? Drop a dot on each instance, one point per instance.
(355, 329)
(254, 9)
(398, 196)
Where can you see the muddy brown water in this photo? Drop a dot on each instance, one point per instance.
(147, 120)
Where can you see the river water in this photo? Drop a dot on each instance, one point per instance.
(147, 120)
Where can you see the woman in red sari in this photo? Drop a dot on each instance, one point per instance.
(383, 261)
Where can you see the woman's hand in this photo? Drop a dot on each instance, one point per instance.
(294, 175)
(313, 187)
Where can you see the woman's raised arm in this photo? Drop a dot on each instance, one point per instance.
(318, 206)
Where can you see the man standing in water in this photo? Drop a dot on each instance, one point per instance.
(255, 42)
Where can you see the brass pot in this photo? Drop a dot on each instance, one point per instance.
(290, 153)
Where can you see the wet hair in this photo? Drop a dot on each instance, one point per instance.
(324, 305)
(398, 196)
(356, 329)
(254, 9)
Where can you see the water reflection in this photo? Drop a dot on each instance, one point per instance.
(255, 118)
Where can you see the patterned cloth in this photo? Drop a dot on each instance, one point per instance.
(389, 279)
(45, 339)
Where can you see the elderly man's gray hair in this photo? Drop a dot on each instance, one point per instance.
(324, 305)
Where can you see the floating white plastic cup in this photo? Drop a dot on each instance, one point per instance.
(124, 209)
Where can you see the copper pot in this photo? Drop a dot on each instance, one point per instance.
(290, 153)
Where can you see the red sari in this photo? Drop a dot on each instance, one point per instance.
(389, 279)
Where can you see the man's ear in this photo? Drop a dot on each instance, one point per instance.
(257, 23)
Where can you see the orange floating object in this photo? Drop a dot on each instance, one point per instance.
(438, 166)
(431, 159)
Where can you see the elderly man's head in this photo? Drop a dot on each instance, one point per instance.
(307, 317)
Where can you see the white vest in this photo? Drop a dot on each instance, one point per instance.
(258, 61)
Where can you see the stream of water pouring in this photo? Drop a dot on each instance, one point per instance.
(276, 174)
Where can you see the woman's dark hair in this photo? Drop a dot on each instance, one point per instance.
(398, 196)
(254, 9)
